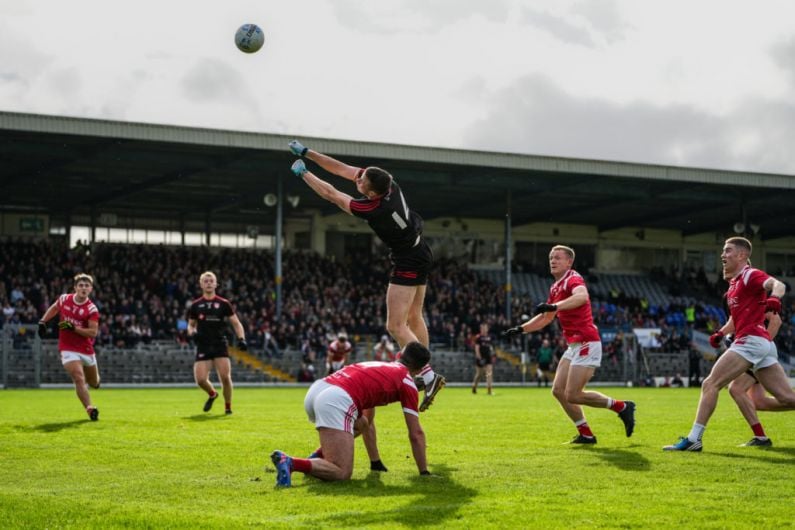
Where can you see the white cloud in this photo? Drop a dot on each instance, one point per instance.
(636, 80)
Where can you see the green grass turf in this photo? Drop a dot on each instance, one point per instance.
(155, 460)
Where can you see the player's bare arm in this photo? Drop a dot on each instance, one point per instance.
(91, 331)
(238, 327)
(328, 192)
(191, 327)
(417, 440)
(332, 165)
(773, 323)
(536, 323)
(50, 313)
(579, 296)
(775, 287)
(322, 188)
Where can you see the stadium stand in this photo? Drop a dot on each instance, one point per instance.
(143, 293)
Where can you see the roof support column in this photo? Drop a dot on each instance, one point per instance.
(508, 259)
(278, 246)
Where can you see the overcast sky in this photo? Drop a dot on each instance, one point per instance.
(708, 83)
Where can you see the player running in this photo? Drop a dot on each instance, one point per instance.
(207, 318)
(336, 405)
(78, 328)
(385, 209)
(569, 301)
(752, 348)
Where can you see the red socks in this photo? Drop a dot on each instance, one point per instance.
(618, 406)
(585, 430)
(304, 465)
(759, 432)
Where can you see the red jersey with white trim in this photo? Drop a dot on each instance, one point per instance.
(577, 323)
(373, 384)
(746, 298)
(339, 351)
(79, 315)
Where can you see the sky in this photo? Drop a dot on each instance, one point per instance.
(702, 83)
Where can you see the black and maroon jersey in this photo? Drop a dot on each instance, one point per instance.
(210, 316)
(391, 219)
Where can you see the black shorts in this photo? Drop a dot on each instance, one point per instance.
(209, 355)
(544, 367)
(411, 267)
(482, 362)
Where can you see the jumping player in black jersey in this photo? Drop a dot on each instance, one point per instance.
(207, 318)
(384, 207)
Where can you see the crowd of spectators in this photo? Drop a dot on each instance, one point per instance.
(143, 292)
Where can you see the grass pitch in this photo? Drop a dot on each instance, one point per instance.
(156, 460)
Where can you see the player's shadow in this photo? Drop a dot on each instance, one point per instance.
(768, 455)
(623, 459)
(431, 500)
(203, 417)
(53, 427)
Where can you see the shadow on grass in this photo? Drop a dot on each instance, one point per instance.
(203, 417)
(768, 455)
(430, 500)
(52, 427)
(623, 459)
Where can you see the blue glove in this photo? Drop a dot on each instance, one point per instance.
(298, 167)
(297, 148)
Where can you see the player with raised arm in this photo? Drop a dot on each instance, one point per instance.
(384, 207)
(751, 294)
(336, 405)
(570, 302)
(78, 328)
(207, 317)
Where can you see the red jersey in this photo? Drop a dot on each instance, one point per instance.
(746, 299)
(79, 315)
(339, 351)
(577, 323)
(372, 384)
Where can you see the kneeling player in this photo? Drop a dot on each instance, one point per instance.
(336, 405)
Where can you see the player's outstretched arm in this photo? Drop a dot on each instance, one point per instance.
(332, 165)
(322, 188)
(46, 317)
(417, 440)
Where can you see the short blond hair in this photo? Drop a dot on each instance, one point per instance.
(83, 277)
(740, 242)
(208, 273)
(568, 250)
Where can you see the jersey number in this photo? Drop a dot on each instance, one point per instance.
(399, 220)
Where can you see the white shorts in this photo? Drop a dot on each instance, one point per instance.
(71, 356)
(328, 405)
(584, 354)
(758, 351)
(335, 365)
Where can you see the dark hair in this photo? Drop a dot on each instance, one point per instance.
(415, 356)
(380, 180)
(740, 242)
